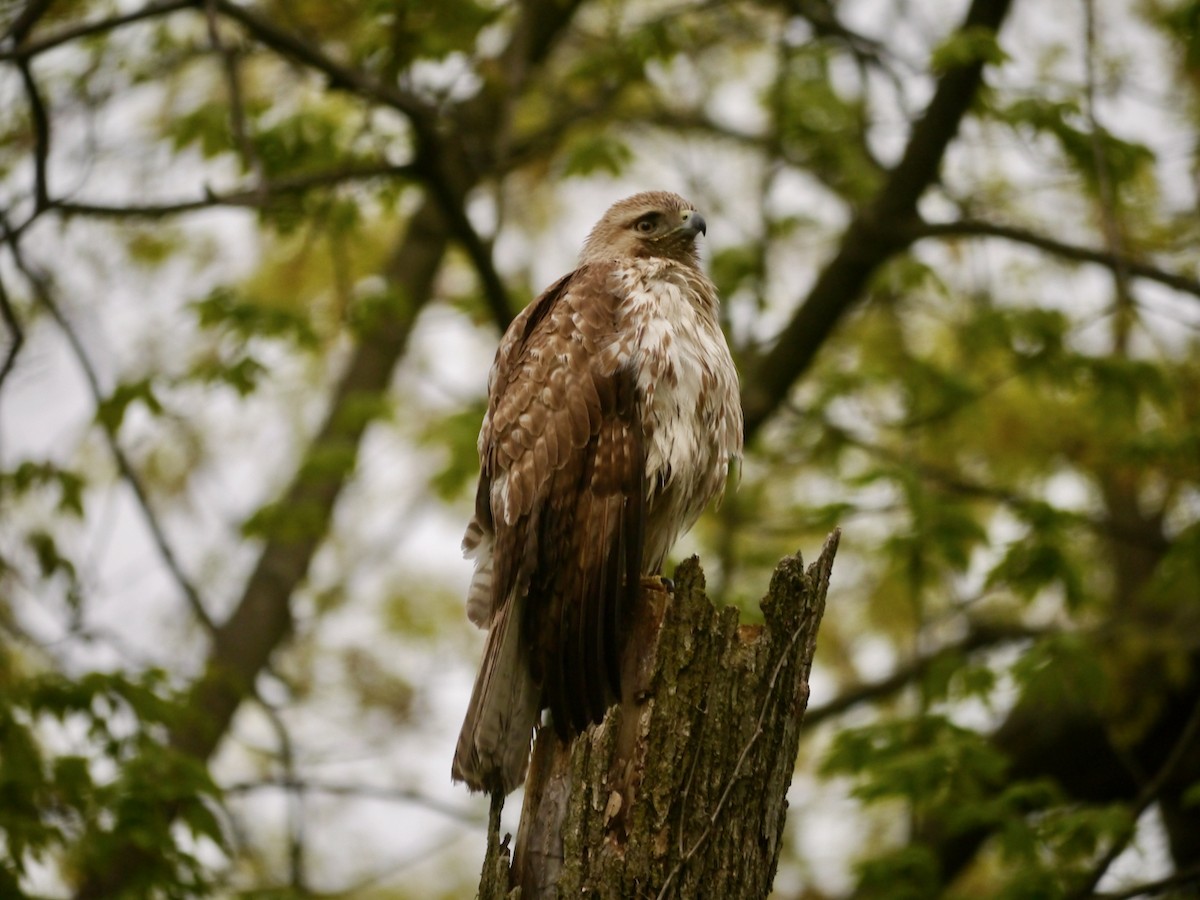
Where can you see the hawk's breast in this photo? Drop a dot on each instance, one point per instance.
(688, 388)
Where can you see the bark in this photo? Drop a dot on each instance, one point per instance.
(681, 790)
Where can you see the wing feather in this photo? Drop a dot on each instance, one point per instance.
(560, 515)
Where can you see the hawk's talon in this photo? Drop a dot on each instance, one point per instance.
(658, 583)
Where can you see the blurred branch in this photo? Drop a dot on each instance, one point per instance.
(875, 234)
(26, 19)
(42, 291)
(41, 136)
(295, 804)
(1182, 878)
(982, 636)
(338, 76)
(16, 333)
(249, 197)
(1149, 793)
(1109, 222)
(955, 483)
(233, 88)
(435, 158)
(88, 29)
(262, 616)
(1073, 252)
(364, 791)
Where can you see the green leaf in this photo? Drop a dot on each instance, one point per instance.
(590, 154)
(110, 413)
(968, 46)
(224, 308)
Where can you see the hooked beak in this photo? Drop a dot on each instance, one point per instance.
(694, 222)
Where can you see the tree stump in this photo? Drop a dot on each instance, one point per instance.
(681, 790)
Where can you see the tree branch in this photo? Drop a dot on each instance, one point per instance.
(248, 197)
(982, 636)
(41, 137)
(233, 89)
(370, 792)
(1147, 795)
(434, 155)
(26, 19)
(88, 29)
(1074, 252)
(262, 617)
(16, 333)
(339, 76)
(874, 235)
(1182, 878)
(40, 284)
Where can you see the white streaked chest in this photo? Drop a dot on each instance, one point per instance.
(686, 379)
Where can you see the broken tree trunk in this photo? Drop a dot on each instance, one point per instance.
(680, 791)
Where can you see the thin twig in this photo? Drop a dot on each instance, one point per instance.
(87, 29)
(1182, 878)
(980, 637)
(338, 75)
(39, 282)
(41, 136)
(295, 805)
(1110, 224)
(431, 154)
(391, 794)
(233, 87)
(249, 197)
(1147, 795)
(16, 333)
(951, 481)
(26, 19)
(1074, 252)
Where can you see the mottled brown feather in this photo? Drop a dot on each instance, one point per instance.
(612, 417)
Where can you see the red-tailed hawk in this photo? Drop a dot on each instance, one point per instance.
(612, 418)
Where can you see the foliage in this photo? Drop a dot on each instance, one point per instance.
(84, 767)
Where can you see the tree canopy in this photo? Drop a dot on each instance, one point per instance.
(254, 261)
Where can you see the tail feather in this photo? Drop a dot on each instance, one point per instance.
(493, 746)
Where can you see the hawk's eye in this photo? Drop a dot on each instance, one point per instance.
(646, 224)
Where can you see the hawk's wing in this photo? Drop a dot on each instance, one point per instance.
(561, 497)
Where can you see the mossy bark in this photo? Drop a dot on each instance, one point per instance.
(681, 790)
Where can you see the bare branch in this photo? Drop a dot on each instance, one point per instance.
(295, 798)
(1110, 224)
(250, 197)
(339, 76)
(40, 283)
(366, 791)
(1074, 252)
(41, 136)
(982, 636)
(1183, 878)
(1147, 795)
(433, 153)
(26, 19)
(87, 29)
(16, 333)
(233, 87)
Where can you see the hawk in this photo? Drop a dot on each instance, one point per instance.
(612, 419)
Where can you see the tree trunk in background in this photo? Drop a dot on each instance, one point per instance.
(681, 791)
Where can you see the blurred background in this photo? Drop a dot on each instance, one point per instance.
(255, 259)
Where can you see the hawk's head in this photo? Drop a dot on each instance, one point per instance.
(654, 223)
